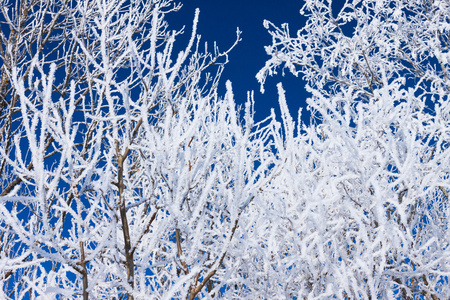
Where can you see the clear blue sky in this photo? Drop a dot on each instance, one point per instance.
(218, 22)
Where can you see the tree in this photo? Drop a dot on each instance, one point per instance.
(124, 174)
(362, 207)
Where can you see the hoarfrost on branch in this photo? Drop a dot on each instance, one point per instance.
(124, 174)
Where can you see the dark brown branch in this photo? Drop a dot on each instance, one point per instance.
(123, 215)
(180, 251)
(84, 272)
(197, 289)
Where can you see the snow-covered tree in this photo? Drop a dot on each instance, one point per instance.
(360, 209)
(123, 173)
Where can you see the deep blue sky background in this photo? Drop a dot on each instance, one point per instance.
(218, 22)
